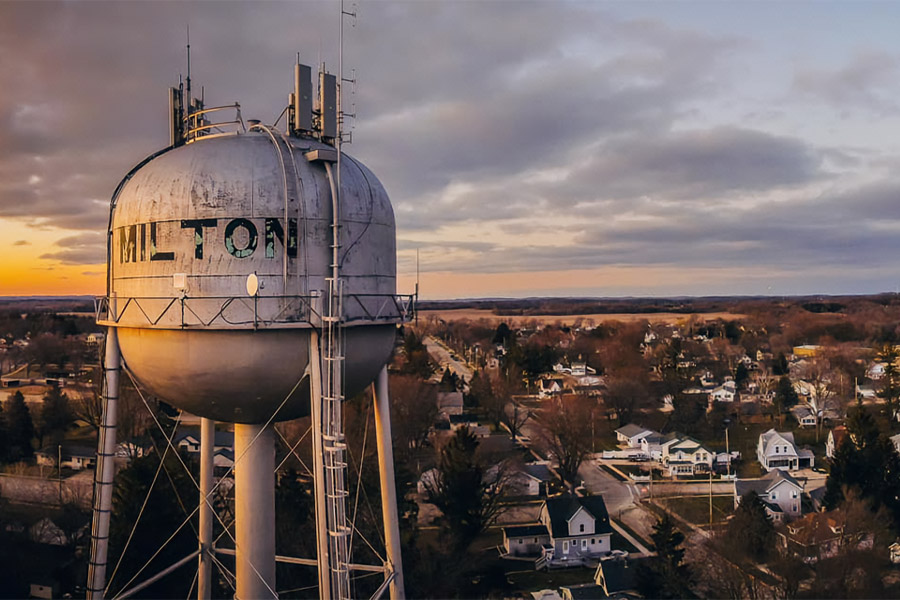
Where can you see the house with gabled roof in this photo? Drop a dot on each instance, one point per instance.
(579, 528)
(572, 531)
(777, 450)
(630, 435)
(835, 437)
(780, 492)
(686, 456)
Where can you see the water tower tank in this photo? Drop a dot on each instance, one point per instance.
(190, 226)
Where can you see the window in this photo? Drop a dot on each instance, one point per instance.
(566, 546)
(581, 528)
(584, 544)
(520, 540)
(535, 540)
(773, 496)
(593, 541)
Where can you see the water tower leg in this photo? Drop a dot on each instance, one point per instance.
(207, 447)
(388, 487)
(105, 471)
(254, 500)
(315, 400)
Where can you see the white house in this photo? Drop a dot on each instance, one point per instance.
(777, 450)
(686, 456)
(835, 437)
(572, 530)
(779, 491)
(895, 440)
(630, 435)
(723, 393)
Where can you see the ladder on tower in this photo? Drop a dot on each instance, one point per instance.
(334, 444)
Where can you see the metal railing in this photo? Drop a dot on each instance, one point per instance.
(246, 312)
(197, 125)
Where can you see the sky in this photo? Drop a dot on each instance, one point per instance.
(529, 148)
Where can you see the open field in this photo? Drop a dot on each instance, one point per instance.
(474, 314)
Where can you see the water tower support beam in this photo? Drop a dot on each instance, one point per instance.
(388, 486)
(254, 478)
(105, 471)
(207, 447)
(315, 400)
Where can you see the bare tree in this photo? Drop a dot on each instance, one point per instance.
(413, 411)
(565, 430)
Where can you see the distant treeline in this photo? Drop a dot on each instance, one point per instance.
(586, 306)
(54, 304)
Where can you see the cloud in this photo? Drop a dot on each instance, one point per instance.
(21, 243)
(861, 83)
(87, 248)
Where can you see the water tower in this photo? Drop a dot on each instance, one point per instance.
(251, 280)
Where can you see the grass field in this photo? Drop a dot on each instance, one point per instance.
(696, 509)
(474, 314)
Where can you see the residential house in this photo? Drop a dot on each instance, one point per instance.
(617, 578)
(895, 440)
(630, 435)
(579, 529)
(450, 403)
(805, 415)
(779, 491)
(581, 591)
(550, 387)
(189, 440)
(820, 535)
(72, 456)
(531, 480)
(835, 437)
(777, 450)
(652, 444)
(723, 393)
(572, 530)
(686, 456)
(525, 540)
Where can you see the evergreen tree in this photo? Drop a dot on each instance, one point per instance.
(55, 416)
(750, 531)
(867, 462)
(665, 575)
(19, 427)
(785, 395)
(172, 498)
(464, 489)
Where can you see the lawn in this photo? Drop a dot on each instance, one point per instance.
(696, 509)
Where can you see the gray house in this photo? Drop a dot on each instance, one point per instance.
(779, 491)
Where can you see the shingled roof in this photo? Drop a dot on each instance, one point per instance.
(561, 508)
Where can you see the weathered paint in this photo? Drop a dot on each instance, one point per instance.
(215, 211)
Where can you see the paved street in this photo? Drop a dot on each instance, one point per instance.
(441, 355)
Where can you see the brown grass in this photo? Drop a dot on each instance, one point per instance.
(474, 314)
